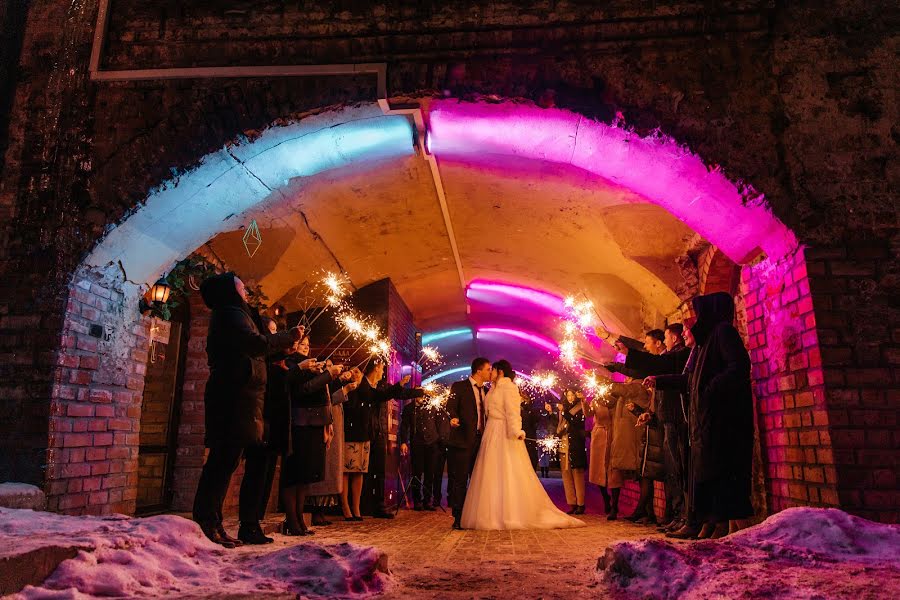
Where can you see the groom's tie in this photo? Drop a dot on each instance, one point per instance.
(481, 415)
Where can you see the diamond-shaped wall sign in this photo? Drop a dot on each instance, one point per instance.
(252, 238)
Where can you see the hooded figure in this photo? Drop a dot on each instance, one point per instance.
(236, 351)
(720, 412)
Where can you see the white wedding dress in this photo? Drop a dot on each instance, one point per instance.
(504, 491)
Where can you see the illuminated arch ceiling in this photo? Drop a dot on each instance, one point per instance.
(541, 198)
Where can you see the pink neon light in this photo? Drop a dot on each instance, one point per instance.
(525, 336)
(551, 302)
(656, 167)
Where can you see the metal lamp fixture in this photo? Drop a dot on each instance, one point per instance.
(159, 294)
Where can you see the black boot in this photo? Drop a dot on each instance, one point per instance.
(211, 531)
(252, 533)
(614, 509)
(224, 535)
(605, 494)
(573, 509)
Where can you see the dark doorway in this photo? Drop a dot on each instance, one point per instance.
(159, 412)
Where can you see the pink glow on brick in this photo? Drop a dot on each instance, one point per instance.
(656, 167)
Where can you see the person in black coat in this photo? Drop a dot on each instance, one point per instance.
(668, 414)
(260, 460)
(234, 395)
(574, 464)
(720, 417)
(465, 405)
(311, 431)
(421, 433)
(530, 417)
(358, 430)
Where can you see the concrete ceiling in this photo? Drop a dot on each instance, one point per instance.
(544, 225)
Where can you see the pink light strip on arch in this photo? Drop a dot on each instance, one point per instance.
(525, 336)
(551, 302)
(656, 167)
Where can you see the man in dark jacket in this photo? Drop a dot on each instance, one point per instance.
(720, 418)
(234, 395)
(420, 437)
(670, 415)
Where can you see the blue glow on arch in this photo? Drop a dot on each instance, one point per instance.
(447, 373)
(440, 335)
(196, 205)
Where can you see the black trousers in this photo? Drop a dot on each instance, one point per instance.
(460, 462)
(676, 469)
(440, 461)
(373, 486)
(256, 486)
(423, 460)
(220, 465)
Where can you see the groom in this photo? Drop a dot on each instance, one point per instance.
(467, 420)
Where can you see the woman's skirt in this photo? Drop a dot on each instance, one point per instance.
(356, 457)
(307, 462)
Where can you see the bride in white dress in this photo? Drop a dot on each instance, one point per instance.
(504, 491)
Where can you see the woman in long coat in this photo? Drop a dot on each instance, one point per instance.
(333, 484)
(720, 417)
(601, 438)
(625, 443)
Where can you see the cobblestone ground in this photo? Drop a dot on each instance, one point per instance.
(430, 560)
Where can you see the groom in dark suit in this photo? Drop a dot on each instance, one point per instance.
(467, 419)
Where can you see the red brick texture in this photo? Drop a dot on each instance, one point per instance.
(96, 400)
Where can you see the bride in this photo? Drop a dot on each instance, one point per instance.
(504, 492)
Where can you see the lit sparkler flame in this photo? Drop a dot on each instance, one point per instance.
(544, 382)
(436, 395)
(549, 444)
(430, 355)
(568, 351)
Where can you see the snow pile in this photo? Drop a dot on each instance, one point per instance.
(168, 556)
(797, 553)
(21, 495)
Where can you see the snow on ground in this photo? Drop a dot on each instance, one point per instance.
(168, 556)
(798, 553)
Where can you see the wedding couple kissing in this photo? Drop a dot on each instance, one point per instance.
(491, 483)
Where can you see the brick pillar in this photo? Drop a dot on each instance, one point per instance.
(789, 384)
(190, 449)
(95, 408)
(853, 286)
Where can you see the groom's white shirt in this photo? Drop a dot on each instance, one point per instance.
(478, 398)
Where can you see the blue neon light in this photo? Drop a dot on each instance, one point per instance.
(440, 335)
(446, 373)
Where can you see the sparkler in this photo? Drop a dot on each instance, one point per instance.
(598, 389)
(544, 382)
(548, 444)
(430, 356)
(335, 289)
(436, 394)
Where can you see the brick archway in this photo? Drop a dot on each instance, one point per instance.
(96, 402)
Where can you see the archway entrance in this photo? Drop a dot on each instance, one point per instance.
(479, 218)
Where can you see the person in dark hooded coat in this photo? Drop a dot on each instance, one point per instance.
(720, 416)
(236, 352)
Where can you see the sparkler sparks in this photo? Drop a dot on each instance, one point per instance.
(430, 356)
(548, 444)
(436, 395)
(595, 387)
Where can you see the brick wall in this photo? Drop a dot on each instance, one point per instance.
(96, 399)
(789, 385)
(858, 328)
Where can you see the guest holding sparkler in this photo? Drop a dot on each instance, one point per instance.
(572, 450)
(234, 396)
(358, 430)
(599, 472)
(324, 492)
(311, 432)
(720, 417)
(420, 438)
(625, 448)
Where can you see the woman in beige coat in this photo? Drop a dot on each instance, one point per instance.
(615, 442)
